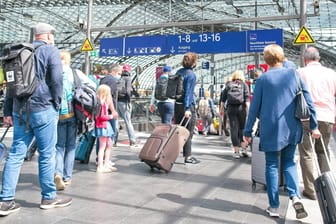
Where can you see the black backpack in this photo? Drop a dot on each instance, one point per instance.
(122, 87)
(20, 76)
(86, 103)
(175, 87)
(235, 93)
(160, 92)
(19, 68)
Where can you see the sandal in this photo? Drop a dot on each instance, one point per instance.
(192, 160)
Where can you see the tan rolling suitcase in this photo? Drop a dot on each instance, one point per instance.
(163, 146)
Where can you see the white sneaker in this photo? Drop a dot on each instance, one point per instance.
(244, 152)
(299, 209)
(106, 169)
(236, 155)
(111, 164)
(273, 212)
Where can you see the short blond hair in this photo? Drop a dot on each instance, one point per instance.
(273, 54)
(66, 57)
(206, 94)
(238, 75)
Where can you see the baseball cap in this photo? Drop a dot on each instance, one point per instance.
(127, 68)
(166, 68)
(42, 28)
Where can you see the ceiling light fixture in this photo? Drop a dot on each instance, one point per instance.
(229, 2)
(27, 16)
(239, 11)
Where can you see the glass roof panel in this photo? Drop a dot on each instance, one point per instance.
(17, 16)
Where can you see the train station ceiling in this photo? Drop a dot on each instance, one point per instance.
(126, 18)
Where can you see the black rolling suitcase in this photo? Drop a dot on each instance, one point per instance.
(3, 147)
(325, 187)
(32, 147)
(84, 147)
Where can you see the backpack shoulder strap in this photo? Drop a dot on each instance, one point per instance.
(77, 81)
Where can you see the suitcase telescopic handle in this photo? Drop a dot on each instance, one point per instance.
(315, 156)
(4, 134)
(185, 125)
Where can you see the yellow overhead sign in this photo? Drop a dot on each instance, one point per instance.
(87, 46)
(304, 37)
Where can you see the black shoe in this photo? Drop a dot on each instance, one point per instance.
(227, 133)
(192, 160)
(8, 207)
(133, 144)
(55, 203)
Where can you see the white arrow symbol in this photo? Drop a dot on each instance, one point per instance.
(172, 50)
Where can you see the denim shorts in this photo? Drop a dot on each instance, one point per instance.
(107, 132)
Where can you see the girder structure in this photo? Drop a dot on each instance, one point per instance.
(124, 18)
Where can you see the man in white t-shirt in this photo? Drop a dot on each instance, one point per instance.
(321, 83)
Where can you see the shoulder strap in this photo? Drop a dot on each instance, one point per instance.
(77, 81)
(297, 81)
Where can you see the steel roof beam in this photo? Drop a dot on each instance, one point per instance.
(196, 23)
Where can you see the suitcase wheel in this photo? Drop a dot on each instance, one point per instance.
(254, 186)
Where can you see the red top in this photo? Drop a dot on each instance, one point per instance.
(102, 118)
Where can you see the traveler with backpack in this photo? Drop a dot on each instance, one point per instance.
(42, 113)
(124, 85)
(223, 109)
(206, 112)
(165, 105)
(185, 104)
(67, 123)
(237, 98)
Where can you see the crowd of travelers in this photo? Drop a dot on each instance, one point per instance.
(51, 120)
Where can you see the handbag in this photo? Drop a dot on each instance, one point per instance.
(302, 111)
(215, 122)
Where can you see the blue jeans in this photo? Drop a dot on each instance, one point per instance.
(206, 122)
(125, 112)
(43, 125)
(166, 110)
(66, 147)
(289, 170)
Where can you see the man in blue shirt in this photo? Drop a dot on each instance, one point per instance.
(42, 113)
